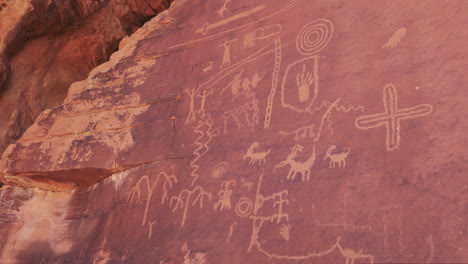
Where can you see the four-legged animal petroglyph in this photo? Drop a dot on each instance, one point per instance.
(297, 167)
(351, 255)
(337, 158)
(184, 199)
(208, 68)
(224, 201)
(258, 157)
(392, 117)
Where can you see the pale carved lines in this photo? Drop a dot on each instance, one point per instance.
(285, 231)
(184, 200)
(202, 141)
(247, 112)
(391, 117)
(336, 158)
(231, 231)
(274, 82)
(314, 36)
(226, 62)
(259, 157)
(344, 224)
(257, 221)
(246, 184)
(244, 207)
(208, 26)
(135, 192)
(223, 9)
(430, 243)
(298, 167)
(387, 213)
(150, 230)
(314, 85)
(219, 169)
(351, 255)
(395, 39)
(308, 131)
(290, 4)
(225, 195)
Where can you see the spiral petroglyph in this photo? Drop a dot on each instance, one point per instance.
(314, 36)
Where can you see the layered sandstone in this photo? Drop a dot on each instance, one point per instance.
(254, 132)
(45, 45)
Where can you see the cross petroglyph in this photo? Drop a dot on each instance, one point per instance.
(392, 117)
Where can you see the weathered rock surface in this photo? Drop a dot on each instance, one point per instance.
(45, 45)
(255, 132)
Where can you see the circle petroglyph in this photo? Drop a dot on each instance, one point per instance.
(314, 36)
(244, 207)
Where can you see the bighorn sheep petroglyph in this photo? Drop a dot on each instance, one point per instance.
(297, 167)
(256, 156)
(339, 158)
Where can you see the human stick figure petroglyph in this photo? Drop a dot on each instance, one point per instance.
(191, 116)
(395, 39)
(226, 62)
(203, 96)
(297, 167)
(225, 195)
(135, 192)
(150, 230)
(242, 87)
(336, 158)
(184, 199)
(392, 117)
(288, 5)
(223, 9)
(208, 26)
(258, 157)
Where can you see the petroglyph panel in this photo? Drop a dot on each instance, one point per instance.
(297, 131)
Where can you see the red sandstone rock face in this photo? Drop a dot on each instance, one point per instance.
(266, 132)
(47, 45)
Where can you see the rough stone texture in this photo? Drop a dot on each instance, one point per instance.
(45, 45)
(215, 129)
